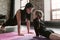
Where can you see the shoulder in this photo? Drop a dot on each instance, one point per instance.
(35, 20)
(19, 10)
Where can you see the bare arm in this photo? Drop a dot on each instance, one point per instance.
(18, 16)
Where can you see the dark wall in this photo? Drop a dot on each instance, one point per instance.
(52, 24)
(11, 9)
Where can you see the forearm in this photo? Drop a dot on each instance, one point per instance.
(28, 25)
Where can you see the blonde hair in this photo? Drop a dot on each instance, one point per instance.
(35, 13)
(38, 13)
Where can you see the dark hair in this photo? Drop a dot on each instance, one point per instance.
(28, 5)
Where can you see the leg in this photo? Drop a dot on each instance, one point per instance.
(2, 28)
(5, 24)
(9, 22)
(54, 36)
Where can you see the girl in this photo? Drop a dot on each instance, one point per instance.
(40, 28)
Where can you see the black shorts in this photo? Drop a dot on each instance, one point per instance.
(46, 33)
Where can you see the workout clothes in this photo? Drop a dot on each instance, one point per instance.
(13, 21)
(40, 28)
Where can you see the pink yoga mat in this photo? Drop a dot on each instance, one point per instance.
(14, 36)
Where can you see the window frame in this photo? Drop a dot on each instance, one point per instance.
(22, 6)
(51, 10)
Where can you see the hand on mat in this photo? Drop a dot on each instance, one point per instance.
(30, 32)
(21, 34)
(36, 37)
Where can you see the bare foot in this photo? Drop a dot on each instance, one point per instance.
(2, 29)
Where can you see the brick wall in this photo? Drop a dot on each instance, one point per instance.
(4, 10)
(4, 7)
(38, 4)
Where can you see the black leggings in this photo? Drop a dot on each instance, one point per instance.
(13, 21)
(10, 22)
(46, 33)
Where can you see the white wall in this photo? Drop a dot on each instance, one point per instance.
(47, 10)
(17, 5)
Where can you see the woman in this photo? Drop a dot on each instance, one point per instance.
(40, 28)
(20, 15)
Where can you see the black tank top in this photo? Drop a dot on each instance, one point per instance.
(24, 15)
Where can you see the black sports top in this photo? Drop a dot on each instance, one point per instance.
(36, 24)
(13, 21)
(40, 28)
(25, 15)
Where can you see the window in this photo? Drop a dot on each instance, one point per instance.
(55, 9)
(23, 3)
